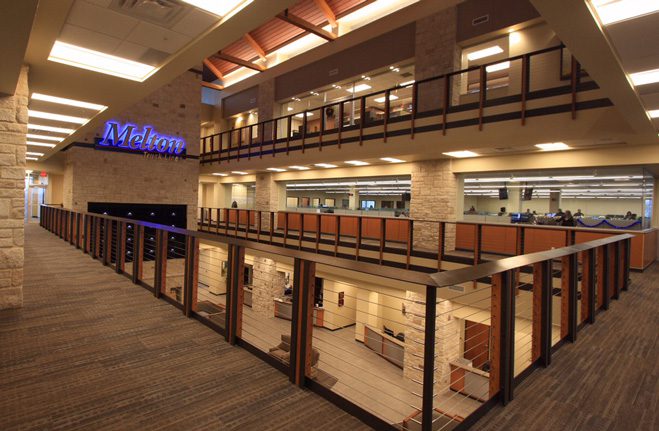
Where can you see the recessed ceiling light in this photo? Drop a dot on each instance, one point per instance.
(325, 165)
(289, 109)
(219, 8)
(44, 137)
(220, 174)
(358, 88)
(496, 67)
(31, 158)
(277, 170)
(461, 154)
(40, 144)
(552, 146)
(381, 99)
(69, 102)
(56, 117)
(96, 61)
(391, 160)
(654, 113)
(610, 12)
(50, 129)
(356, 163)
(301, 115)
(645, 77)
(31, 153)
(299, 168)
(514, 37)
(406, 83)
(482, 53)
(239, 172)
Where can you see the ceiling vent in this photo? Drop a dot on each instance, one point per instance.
(164, 13)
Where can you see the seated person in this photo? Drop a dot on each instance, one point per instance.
(578, 213)
(502, 211)
(568, 219)
(630, 216)
(472, 210)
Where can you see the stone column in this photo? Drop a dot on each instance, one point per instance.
(434, 198)
(353, 199)
(447, 340)
(436, 53)
(13, 128)
(270, 196)
(266, 285)
(266, 105)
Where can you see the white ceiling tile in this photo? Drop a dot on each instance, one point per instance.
(130, 51)
(88, 39)
(101, 19)
(158, 38)
(194, 22)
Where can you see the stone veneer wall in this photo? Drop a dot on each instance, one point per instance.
(104, 176)
(433, 197)
(270, 196)
(13, 128)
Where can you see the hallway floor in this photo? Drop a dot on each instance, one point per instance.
(90, 350)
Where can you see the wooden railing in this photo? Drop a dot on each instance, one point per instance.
(422, 245)
(570, 285)
(500, 95)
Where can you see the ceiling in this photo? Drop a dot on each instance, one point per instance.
(172, 42)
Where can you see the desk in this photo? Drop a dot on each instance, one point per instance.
(284, 310)
(390, 348)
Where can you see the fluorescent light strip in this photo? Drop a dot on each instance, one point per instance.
(40, 144)
(44, 137)
(610, 12)
(276, 169)
(325, 165)
(461, 154)
(645, 77)
(300, 168)
(482, 53)
(356, 163)
(31, 153)
(100, 62)
(497, 67)
(56, 117)
(239, 172)
(50, 129)
(220, 175)
(69, 102)
(309, 114)
(31, 158)
(654, 113)
(359, 88)
(381, 99)
(553, 146)
(391, 160)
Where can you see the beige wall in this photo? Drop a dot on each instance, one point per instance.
(55, 189)
(13, 128)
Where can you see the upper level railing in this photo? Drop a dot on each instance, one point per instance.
(428, 376)
(496, 91)
(420, 245)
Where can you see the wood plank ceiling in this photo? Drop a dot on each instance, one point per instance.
(278, 32)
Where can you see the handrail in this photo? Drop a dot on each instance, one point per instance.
(416, 83)
(464, 275)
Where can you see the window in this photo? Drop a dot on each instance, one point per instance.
(291, 202)
(315, 202)
(367, 205)
(248, 275)
(387, 204)
(330, 202)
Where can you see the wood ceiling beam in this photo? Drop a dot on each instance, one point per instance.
(212, 85)
(214, 70)
(240, 62)
(327, 10)
(305, 25)
(255, 46)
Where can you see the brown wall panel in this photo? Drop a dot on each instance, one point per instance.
(240, 102)
(500, 14)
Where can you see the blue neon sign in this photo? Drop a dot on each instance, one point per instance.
(128, 137)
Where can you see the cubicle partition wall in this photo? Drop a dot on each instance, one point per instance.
(421, 351)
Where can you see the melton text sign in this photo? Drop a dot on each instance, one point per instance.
(129, 137)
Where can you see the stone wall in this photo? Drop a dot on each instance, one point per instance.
(105, 176)
(266, 105)
(433, 197)
(13, 128)
(270, 196)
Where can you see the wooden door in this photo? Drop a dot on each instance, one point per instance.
(477, 343)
